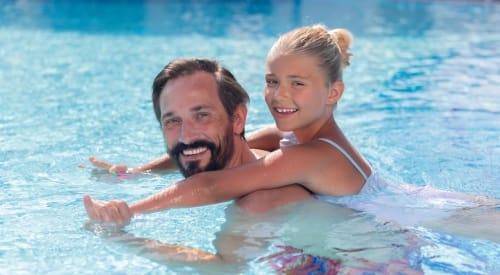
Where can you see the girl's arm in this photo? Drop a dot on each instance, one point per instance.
(162, 163)
(267, 138)
(307, 164)
(279, 168)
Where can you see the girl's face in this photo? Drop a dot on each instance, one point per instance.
(297, 93)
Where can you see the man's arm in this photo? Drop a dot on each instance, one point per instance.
(262, 201)
(162, 252)
(153, 249)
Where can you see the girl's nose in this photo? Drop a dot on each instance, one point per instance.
(280, 91)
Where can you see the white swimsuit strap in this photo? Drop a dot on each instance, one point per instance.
(346, 155)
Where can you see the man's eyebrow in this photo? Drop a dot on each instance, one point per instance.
(165, 115)
(194, 109)
(201, 107)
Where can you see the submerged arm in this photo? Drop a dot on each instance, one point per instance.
(153, 249)
(163, 252)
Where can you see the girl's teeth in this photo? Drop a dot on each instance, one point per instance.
(286, 110)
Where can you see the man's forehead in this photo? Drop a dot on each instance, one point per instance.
(200, 81)
(192, 92)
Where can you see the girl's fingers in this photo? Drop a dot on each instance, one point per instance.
(99, 163)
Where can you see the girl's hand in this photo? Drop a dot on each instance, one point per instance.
(114, 169)
(114, 211)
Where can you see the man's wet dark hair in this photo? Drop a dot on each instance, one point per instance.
(231, 93)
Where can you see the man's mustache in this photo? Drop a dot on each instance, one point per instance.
(179, 147)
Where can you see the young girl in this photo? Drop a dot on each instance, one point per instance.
(303, 86)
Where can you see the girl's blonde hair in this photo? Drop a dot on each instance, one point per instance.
(330, 47)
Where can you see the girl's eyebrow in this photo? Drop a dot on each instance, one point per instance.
(289, 76)
(296, 76)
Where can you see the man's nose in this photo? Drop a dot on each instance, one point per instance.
(189, 132)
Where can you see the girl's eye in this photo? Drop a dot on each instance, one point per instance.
(297, 83)
(271, 83)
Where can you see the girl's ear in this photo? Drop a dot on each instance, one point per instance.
(239, 119)
(335, 92)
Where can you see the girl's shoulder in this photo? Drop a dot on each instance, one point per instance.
(258, 153)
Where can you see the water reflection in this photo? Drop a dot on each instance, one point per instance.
(247, 18)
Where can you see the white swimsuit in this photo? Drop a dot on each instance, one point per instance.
(290, 139)
(344, 152)
(390, 201)
(368, 187)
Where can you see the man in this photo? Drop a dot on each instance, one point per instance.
(202, 111)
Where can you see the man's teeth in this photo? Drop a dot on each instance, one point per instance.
(189, 152)
(286, 110)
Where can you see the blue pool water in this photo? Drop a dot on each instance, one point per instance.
(421, 103)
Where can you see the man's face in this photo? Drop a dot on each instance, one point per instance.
(196, 127)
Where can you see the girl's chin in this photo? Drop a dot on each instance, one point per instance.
(285, 128)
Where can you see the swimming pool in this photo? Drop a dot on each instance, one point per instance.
(421, 103)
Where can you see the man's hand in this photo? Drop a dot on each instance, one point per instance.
(114, 169)
(113, 211)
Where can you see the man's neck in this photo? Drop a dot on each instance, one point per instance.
(242, 153)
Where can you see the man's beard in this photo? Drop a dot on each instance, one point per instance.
(219, 155)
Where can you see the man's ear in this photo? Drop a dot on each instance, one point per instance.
(335, 92)
(239, 119)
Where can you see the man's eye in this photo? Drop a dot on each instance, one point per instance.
(171, 122)
(202, 115)
(297, 83)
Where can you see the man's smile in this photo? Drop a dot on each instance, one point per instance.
(201, 153)
(197, 156)
(194, 151)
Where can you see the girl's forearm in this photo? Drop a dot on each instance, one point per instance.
(201, 189)
(155, 202)
(183, 194)
(162, 163)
